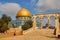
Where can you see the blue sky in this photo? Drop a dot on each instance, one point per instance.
(22, 3)
(10, 7)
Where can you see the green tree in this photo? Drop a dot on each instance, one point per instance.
(27, 25)
(29, 22)
(4, 20)
(4, 28)
(1, 23)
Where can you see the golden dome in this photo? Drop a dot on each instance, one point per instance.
(23, 12)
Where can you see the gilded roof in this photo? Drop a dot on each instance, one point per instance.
(23, 12)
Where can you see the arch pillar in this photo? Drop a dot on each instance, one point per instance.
(41, 22)
(48, 21)
(34, 22)
(57, 25)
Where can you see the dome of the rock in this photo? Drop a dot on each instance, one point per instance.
(21, 17)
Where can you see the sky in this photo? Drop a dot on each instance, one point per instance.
(10, 7)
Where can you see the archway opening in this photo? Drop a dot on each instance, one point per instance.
(45, 22)
(37, 22)
(52, 22)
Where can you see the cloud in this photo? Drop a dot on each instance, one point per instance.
(43, 5)
(11, 8)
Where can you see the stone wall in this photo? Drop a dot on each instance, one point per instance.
(12, 32)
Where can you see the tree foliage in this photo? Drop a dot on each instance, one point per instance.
(4, 20)
(27, 25)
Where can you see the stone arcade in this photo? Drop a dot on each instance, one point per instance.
(55, 14)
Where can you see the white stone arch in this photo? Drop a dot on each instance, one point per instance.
(41, 16)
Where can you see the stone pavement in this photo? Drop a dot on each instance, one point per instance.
(43, 34)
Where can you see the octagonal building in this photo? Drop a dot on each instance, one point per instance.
(21, 17)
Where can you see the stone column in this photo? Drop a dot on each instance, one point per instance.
(41, 22)
(34, 23)
(57, 26)
(48, 22)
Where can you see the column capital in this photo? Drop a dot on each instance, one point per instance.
(48, 17)
(56, 17)
(41, 17)
(33, 17)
